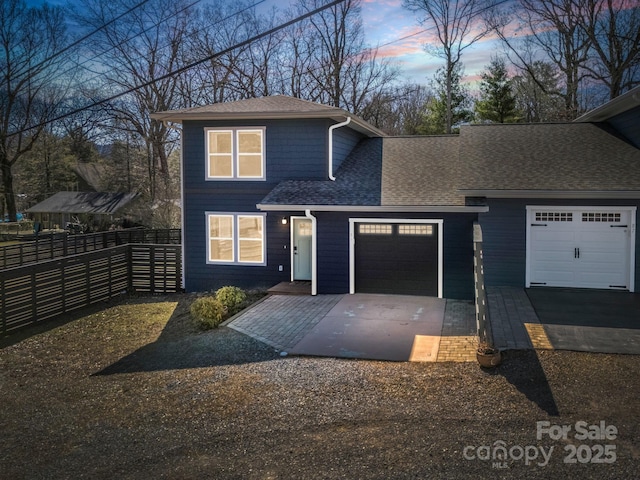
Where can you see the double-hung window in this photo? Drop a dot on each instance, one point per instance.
(235, 153)
(236, 238)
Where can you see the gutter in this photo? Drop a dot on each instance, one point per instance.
(331, 129)
(314, 252)
(569, 194)
(267, 207)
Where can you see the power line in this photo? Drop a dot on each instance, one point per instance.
(125, 41)
(85, 37)
(184, 68)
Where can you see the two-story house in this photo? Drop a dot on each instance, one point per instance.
(279, 189)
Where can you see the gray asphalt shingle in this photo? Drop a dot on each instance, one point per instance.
(563, 157)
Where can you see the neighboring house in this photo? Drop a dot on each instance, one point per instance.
(278, 189)
(89, 207)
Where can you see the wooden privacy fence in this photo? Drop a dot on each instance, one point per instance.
(47, 247)
(33, 293)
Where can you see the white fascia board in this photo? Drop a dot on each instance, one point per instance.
(581, 194)
(337, 116)
(375, 208)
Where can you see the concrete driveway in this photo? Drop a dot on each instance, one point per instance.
(410, 328)
(377, 327)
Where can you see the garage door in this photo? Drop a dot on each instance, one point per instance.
(580, 247)
(396, 258)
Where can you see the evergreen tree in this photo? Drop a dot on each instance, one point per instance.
(497, 101)
(434, 121)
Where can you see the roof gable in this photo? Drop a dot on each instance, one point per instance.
(266, 108)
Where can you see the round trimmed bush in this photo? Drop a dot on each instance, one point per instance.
(232, 298)
(208, 312)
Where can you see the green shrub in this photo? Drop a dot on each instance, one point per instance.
(233, 298)
(208, 312)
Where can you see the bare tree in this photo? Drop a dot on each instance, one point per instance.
(457, 25)
(217, 28)
(552, 28)
(613, 29)
(341, 70)
(144, 45)
(398, 110)
(534, 90)
(30, 42)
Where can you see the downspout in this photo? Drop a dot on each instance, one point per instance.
(331, 129)
(182, 216)
(314, 253)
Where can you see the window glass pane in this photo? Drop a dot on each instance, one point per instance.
(250, 227)
(220, 166)
(374, 229)
(221, 238)
(221, 250)
(251, 239)
(251, 251)
(250, 166)
(250, 141)
(220, 142)
(221, 226)
(415, 229)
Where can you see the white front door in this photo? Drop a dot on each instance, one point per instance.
(302, 236)
(583, 247)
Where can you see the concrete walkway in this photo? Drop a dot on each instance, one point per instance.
(599, 321)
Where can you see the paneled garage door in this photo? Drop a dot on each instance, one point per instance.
(397, 258)
(583, 247)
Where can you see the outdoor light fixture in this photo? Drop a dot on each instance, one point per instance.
(284, 220)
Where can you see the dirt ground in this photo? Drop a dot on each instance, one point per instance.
(131, 390)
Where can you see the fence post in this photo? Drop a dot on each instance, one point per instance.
(482, 308)
(129, 268)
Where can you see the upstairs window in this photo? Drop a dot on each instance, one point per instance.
(235, 153)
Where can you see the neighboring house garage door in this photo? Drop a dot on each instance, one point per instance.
(583, 247)
(397, 258)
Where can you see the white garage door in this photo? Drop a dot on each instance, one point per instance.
(583, 247)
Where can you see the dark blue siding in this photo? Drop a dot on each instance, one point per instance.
(294, 150)
(504, 237)
(333, 251)
(627, 124)
(344, 141)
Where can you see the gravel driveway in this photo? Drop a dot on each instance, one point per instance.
(133, 391)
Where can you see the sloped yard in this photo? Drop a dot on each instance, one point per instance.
(133, 390)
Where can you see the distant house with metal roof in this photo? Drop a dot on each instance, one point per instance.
(88, 207)
(279, 189)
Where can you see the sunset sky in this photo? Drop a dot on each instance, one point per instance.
(388, 25)
(386, 21)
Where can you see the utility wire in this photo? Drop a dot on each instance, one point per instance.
(125, 41)
(184, 68)
(85, 37)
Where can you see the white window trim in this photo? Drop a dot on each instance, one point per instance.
(352, 244)
(235, 131)
(236, 239)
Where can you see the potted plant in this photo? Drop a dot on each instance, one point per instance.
(487, 355)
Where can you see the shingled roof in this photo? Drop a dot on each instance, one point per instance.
(103, 203)
(421, 171)
(265, 108)
(357, 182)
(569, 157)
